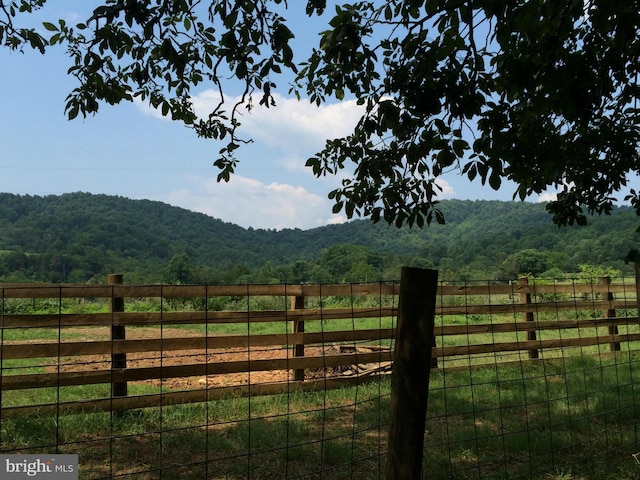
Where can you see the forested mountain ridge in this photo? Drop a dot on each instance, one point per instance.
(80, 236)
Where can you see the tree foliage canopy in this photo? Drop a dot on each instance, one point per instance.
(540, 92)
(80, 237)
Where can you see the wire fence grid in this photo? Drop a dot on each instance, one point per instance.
(570, 412)
(237, 412)
(219, 408)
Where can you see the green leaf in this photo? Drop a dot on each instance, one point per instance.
(471, 171)
(446, 158)
(459, 147)
(388, 13)
(546, 96)
(495, 180)
(73, 112)
(231, 19)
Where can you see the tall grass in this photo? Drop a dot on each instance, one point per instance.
(573, 418)
(339, 432)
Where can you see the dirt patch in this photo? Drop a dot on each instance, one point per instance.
(172, 358)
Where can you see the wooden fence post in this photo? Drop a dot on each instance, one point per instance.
(525, 299)
(297, 303)
(411, 369)
(118, 360)
(610, 313)
(637, 272)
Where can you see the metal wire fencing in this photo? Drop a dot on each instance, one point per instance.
(544, 383)
(199, 382)
(529, 380)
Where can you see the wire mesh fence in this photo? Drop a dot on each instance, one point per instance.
(529, 380)
(565, 411)
(190, 385)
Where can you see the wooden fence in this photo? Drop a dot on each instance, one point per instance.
(314, 347)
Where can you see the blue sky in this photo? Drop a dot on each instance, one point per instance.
(130, 150)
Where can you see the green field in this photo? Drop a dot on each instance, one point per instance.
(570, 416)
(569, 419)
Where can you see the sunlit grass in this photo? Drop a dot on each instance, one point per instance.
(569, 416)
(572, 419)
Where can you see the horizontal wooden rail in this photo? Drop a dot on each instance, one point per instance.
(177, 398)
(515, 308)
(12, 382)
(201, 343)
(15, 350)
(346, 290)
(502, 347)
(203, 317)
(59, 379)
(473, 329)
(189, 318)
(186, 291)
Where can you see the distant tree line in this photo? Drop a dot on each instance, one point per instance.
(81, 238)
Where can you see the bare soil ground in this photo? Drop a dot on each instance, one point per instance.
(190, 357)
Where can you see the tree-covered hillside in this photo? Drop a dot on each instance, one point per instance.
(81, 237)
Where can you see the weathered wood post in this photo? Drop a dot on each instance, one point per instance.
(637, 272)
(525, 299)
(411, 368)
(118, 360)
(297, 303)
(610, 313)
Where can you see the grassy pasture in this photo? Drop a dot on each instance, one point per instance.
(570, 416)
(571, 419)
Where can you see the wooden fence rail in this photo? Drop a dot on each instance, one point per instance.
(476, 324)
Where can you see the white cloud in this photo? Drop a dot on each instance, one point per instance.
(295, 129)
(299, 126)
(447, 189)
(146, 109)
(291, 125)
(547, 197)
(337, 220)
(249, 202)
(73, 18)
(252, 203)
(284, 137)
